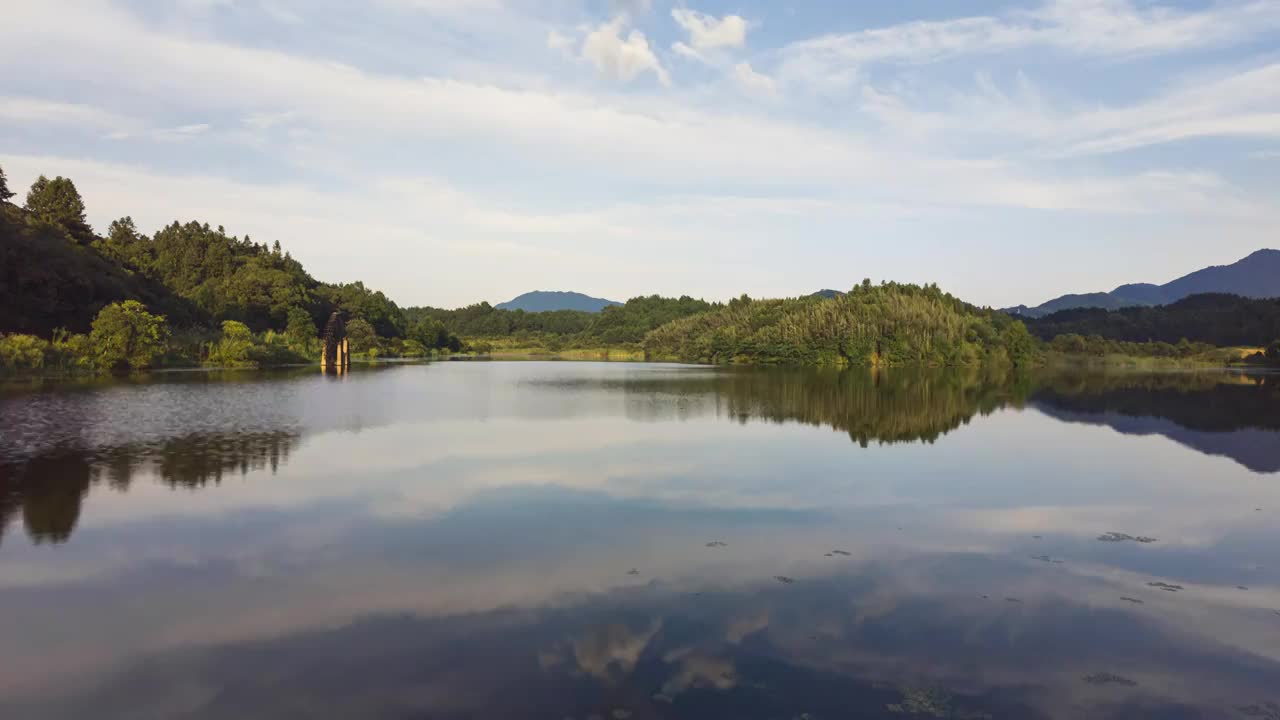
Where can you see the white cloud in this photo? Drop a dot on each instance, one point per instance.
(1086, 27)
(753, 82)
(268, 120)
(622, 58)
(28, 110)
(707, 33)
(182, 132)
(558, 41)
(910, 146)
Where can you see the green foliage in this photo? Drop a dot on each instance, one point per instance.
(615, 325)
(22, 352)
(628, 323)
(1216, 319)
(235, 348)
(301, 333)
(57, 202)
(5, 192)
(1098, 346)
(889, 324)
(48, 281)
(386, 319)
(125, 335)
(227, 277)
(361, 336)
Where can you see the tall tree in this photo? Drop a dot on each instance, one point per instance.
(5, 192)
(125, 335)
(58, 202)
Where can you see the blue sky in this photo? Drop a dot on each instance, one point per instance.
(452, 151)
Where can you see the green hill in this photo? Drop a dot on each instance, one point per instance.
(887, 324)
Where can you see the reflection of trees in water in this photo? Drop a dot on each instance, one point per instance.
(48, 489)
(886, 406)
(1233, 415)
(1209, 401)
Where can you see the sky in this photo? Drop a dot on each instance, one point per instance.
(453, 151)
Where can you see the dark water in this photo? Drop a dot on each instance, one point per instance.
(487, 540)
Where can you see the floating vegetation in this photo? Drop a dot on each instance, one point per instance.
(932, 702)
(827, 555)
(633, 571)
(1241, 587)
(784, 579)
(1124, 537)
(1167, 587)
(1012, 599)
(1267, 710)
(1042, 558)
(1135, 601)
(916, 701)
(717, 543)
(845, 553)
(1036, 537)
(1106, 678)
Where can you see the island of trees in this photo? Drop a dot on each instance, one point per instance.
(188, 294)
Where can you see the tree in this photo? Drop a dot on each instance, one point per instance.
(235, 347)
(126, 335)
(1273, 351)
(5, 192)
(125, 244)
(58, 202)
(361, 336)
(301, 328)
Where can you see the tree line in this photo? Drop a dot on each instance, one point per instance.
(886, 324)
(189, 293)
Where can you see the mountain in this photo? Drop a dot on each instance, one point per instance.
(1255, 276)
(547, 300)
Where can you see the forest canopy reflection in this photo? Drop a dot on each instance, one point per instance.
(1214, 413)
(48, 489)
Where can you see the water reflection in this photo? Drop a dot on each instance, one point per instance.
(49, 488)
(1232, 415)
(579, 540)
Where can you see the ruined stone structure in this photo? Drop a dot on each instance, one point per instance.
(337, 353)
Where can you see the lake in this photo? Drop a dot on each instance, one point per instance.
(594, 540)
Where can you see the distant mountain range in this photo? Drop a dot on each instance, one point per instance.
(1256, 276)
(549, 300)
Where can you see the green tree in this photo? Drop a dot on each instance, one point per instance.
(5, 192)
(126, 335)
(22, 352)
(235, 347)
(58, 202)
(301, 329)
(361, 336)
(125, 244)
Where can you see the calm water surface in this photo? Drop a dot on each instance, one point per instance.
(488, 540)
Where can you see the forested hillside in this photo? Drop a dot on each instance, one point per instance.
(888, 324)
(187, 293)
(624, 324)
(1215, 319)
(190, 293)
